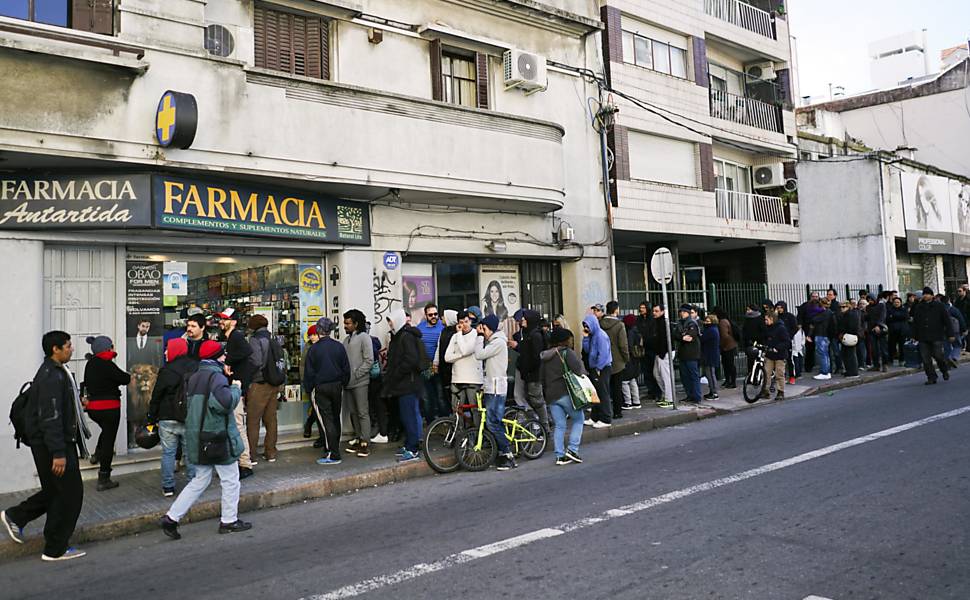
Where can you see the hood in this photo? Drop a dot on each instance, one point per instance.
(782, 304)
(752, 314)
(532, 317)
(498, 336)
(451, 318)
(608, 324)
(593, 324)
(398, 318)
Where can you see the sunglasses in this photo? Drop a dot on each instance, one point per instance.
(429, 315)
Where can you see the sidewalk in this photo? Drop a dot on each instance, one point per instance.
(137, 505)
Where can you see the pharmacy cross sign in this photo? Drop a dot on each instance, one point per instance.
(334, 276)
(176, 120)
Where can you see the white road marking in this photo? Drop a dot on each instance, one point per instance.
(465, 556)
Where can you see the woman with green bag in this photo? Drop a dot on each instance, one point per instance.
(558, 362)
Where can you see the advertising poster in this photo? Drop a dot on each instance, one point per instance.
(144, 324)
(311, 299)
(176, 278)
(416, 291)
(960, 205)
(499, 288)
(927, 213)
(387, 292)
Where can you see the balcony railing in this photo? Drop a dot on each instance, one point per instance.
(743, 15)
(750, 207)
(746, 111)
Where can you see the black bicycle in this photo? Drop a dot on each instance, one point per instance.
(755, 380)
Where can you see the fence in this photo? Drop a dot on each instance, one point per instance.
(746, 111)
(750, 207)
(743, 15)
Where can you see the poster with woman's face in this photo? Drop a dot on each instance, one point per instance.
(416, 291)
(928, 214)
(960, 205)
(499, 285)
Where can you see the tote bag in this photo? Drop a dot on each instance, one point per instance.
(581, 389)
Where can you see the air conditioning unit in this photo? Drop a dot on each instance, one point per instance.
(791, 185)
(525, 71)
(218, 40)
(762, 70)
(769, 176)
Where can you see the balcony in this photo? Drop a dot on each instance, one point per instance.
(743, 206)
(746, 111)
(743, 15)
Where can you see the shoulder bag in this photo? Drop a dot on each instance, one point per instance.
(213, 446)
(580, 388)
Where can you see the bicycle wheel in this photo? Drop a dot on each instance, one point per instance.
(531, 439)
(439, 444)
(517, 413)
(470, 458)
(753, 384)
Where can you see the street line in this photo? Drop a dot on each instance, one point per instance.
(465, 556)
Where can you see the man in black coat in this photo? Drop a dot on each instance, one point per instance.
(238, 351)
(529, 364)
(931, 326)
(403, 380)
(646, 325)
(54, 429)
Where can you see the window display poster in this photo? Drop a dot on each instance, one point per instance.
(960, 204)
(176, 278)
(144, 323)
(311, 299)
(417, 290)
(927, 213)
(499, 286)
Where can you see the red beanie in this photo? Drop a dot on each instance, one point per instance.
(210, 350)
(311, 331)
(629, 320)
(176, 347)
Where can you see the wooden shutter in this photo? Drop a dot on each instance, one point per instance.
(291, 43)
(437, 91)
(481, 79)
(96, 16)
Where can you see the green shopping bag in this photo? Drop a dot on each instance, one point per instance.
(582, 392)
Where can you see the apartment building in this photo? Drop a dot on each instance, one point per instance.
(704, 129)
(291, 158)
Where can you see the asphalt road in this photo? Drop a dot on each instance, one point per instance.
(884, 517)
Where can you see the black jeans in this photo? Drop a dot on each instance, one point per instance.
(108, 420)
(880, 349)
(328, 397)
(603, 411)
(730, 368)
(59, 497)
(850, 360)
(378, 410)
(896, 343)
(930, 351)
(616, 394)
(809, 356)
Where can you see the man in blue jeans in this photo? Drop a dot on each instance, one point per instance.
(689, 355)
(167, 408)
(492, 347)
(402, 380)
(434, 404)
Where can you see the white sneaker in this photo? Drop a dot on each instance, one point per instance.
(379, 439)
(68, 555)
(822, 377)
(600, 425)
(588, 422)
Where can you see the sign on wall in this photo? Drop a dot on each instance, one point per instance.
(81, 202)
(499, 288)
(416, 292)
(926, 209)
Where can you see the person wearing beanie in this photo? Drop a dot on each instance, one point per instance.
(493, 350)
(167, 409)
(532, 344)
(238, 352)
(403, 381)
(555, 362)
(360, 354)
(102, 393)
(326, 375)
(262, 399)
(210, 399)
(931, 327)
(688, 343)
(312, 337)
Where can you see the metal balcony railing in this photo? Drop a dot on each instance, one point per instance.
(746, 111)
(750, 207)
(743, 15)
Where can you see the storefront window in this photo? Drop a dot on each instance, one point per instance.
(163, 291)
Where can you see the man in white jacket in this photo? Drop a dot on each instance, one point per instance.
(495, 353)
(466, 370)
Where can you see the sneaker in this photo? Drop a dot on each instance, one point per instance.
(946, 376)
(573, 456)
(363, 451)
(636, 406)
(15, 531)
(400, 451)
(664, 404)
(379, 439)
(171, 528)
(236, 527)
(169, 492)
(791, 381)
(245, 472)
(512, 462)
(326, 460)
(589, 422)
(502, 463)
(352, 444)
(268, 459)
(601, 425)
(562, 460)
(822, 377)
(409, 456)
(711, 396)
(627, 407)
(68, 555)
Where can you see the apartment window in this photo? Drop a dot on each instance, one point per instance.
(662, 159)
(458, 79)
(732, 176)
(85, 15)
(292, 43)
(654, 55)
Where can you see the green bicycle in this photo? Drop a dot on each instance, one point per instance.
(476, 448)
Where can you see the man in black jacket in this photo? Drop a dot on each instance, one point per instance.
(878, 333)
(646, 325)
(238, 352)
(661, 347)
(529, 364)
(931, 326)
(689, 355)
(54, 428)
(326, 374)
(403, 380)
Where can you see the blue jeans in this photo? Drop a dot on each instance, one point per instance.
(560, 410)
(410, 411)
(953, 350)
(822, 355)
(494, 411)
(434, 404)
(690, 378)
(171, 434)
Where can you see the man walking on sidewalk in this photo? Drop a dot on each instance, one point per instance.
(326, 374)
(54, 428)
(212, 440)
(931, 327)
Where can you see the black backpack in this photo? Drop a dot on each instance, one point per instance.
(274, 369)
(18, 415)
(181, 404)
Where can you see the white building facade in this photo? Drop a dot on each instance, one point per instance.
(314, 156)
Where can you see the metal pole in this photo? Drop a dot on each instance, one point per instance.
(670, 349)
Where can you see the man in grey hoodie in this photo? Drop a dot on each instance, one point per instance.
(360, 352)
(492, 347)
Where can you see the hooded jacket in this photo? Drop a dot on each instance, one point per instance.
(753, 329)
(788, 320)
(402, 376)
(360, 354)
(876, 317)
(824, 324)
(168, 385)
(688, 350)
(532, 344)
(209, 393)
(619, 345)
(465, 367)
(102, 378)
(725, 330)
(495, 353)
(711, 345)
(259, 342)
(897, 319)
(596, 345)
(238, 352)
(552, 374)
(444, 367)
(777, 341)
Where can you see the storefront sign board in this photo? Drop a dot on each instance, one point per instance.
(75, 202)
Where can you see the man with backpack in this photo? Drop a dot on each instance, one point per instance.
(326, 375)
(49, 420)
(167, 409)
(262, 396)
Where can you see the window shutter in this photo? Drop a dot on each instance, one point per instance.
(481, 79)
(437, 91)
(291, 43)
(96, 16)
